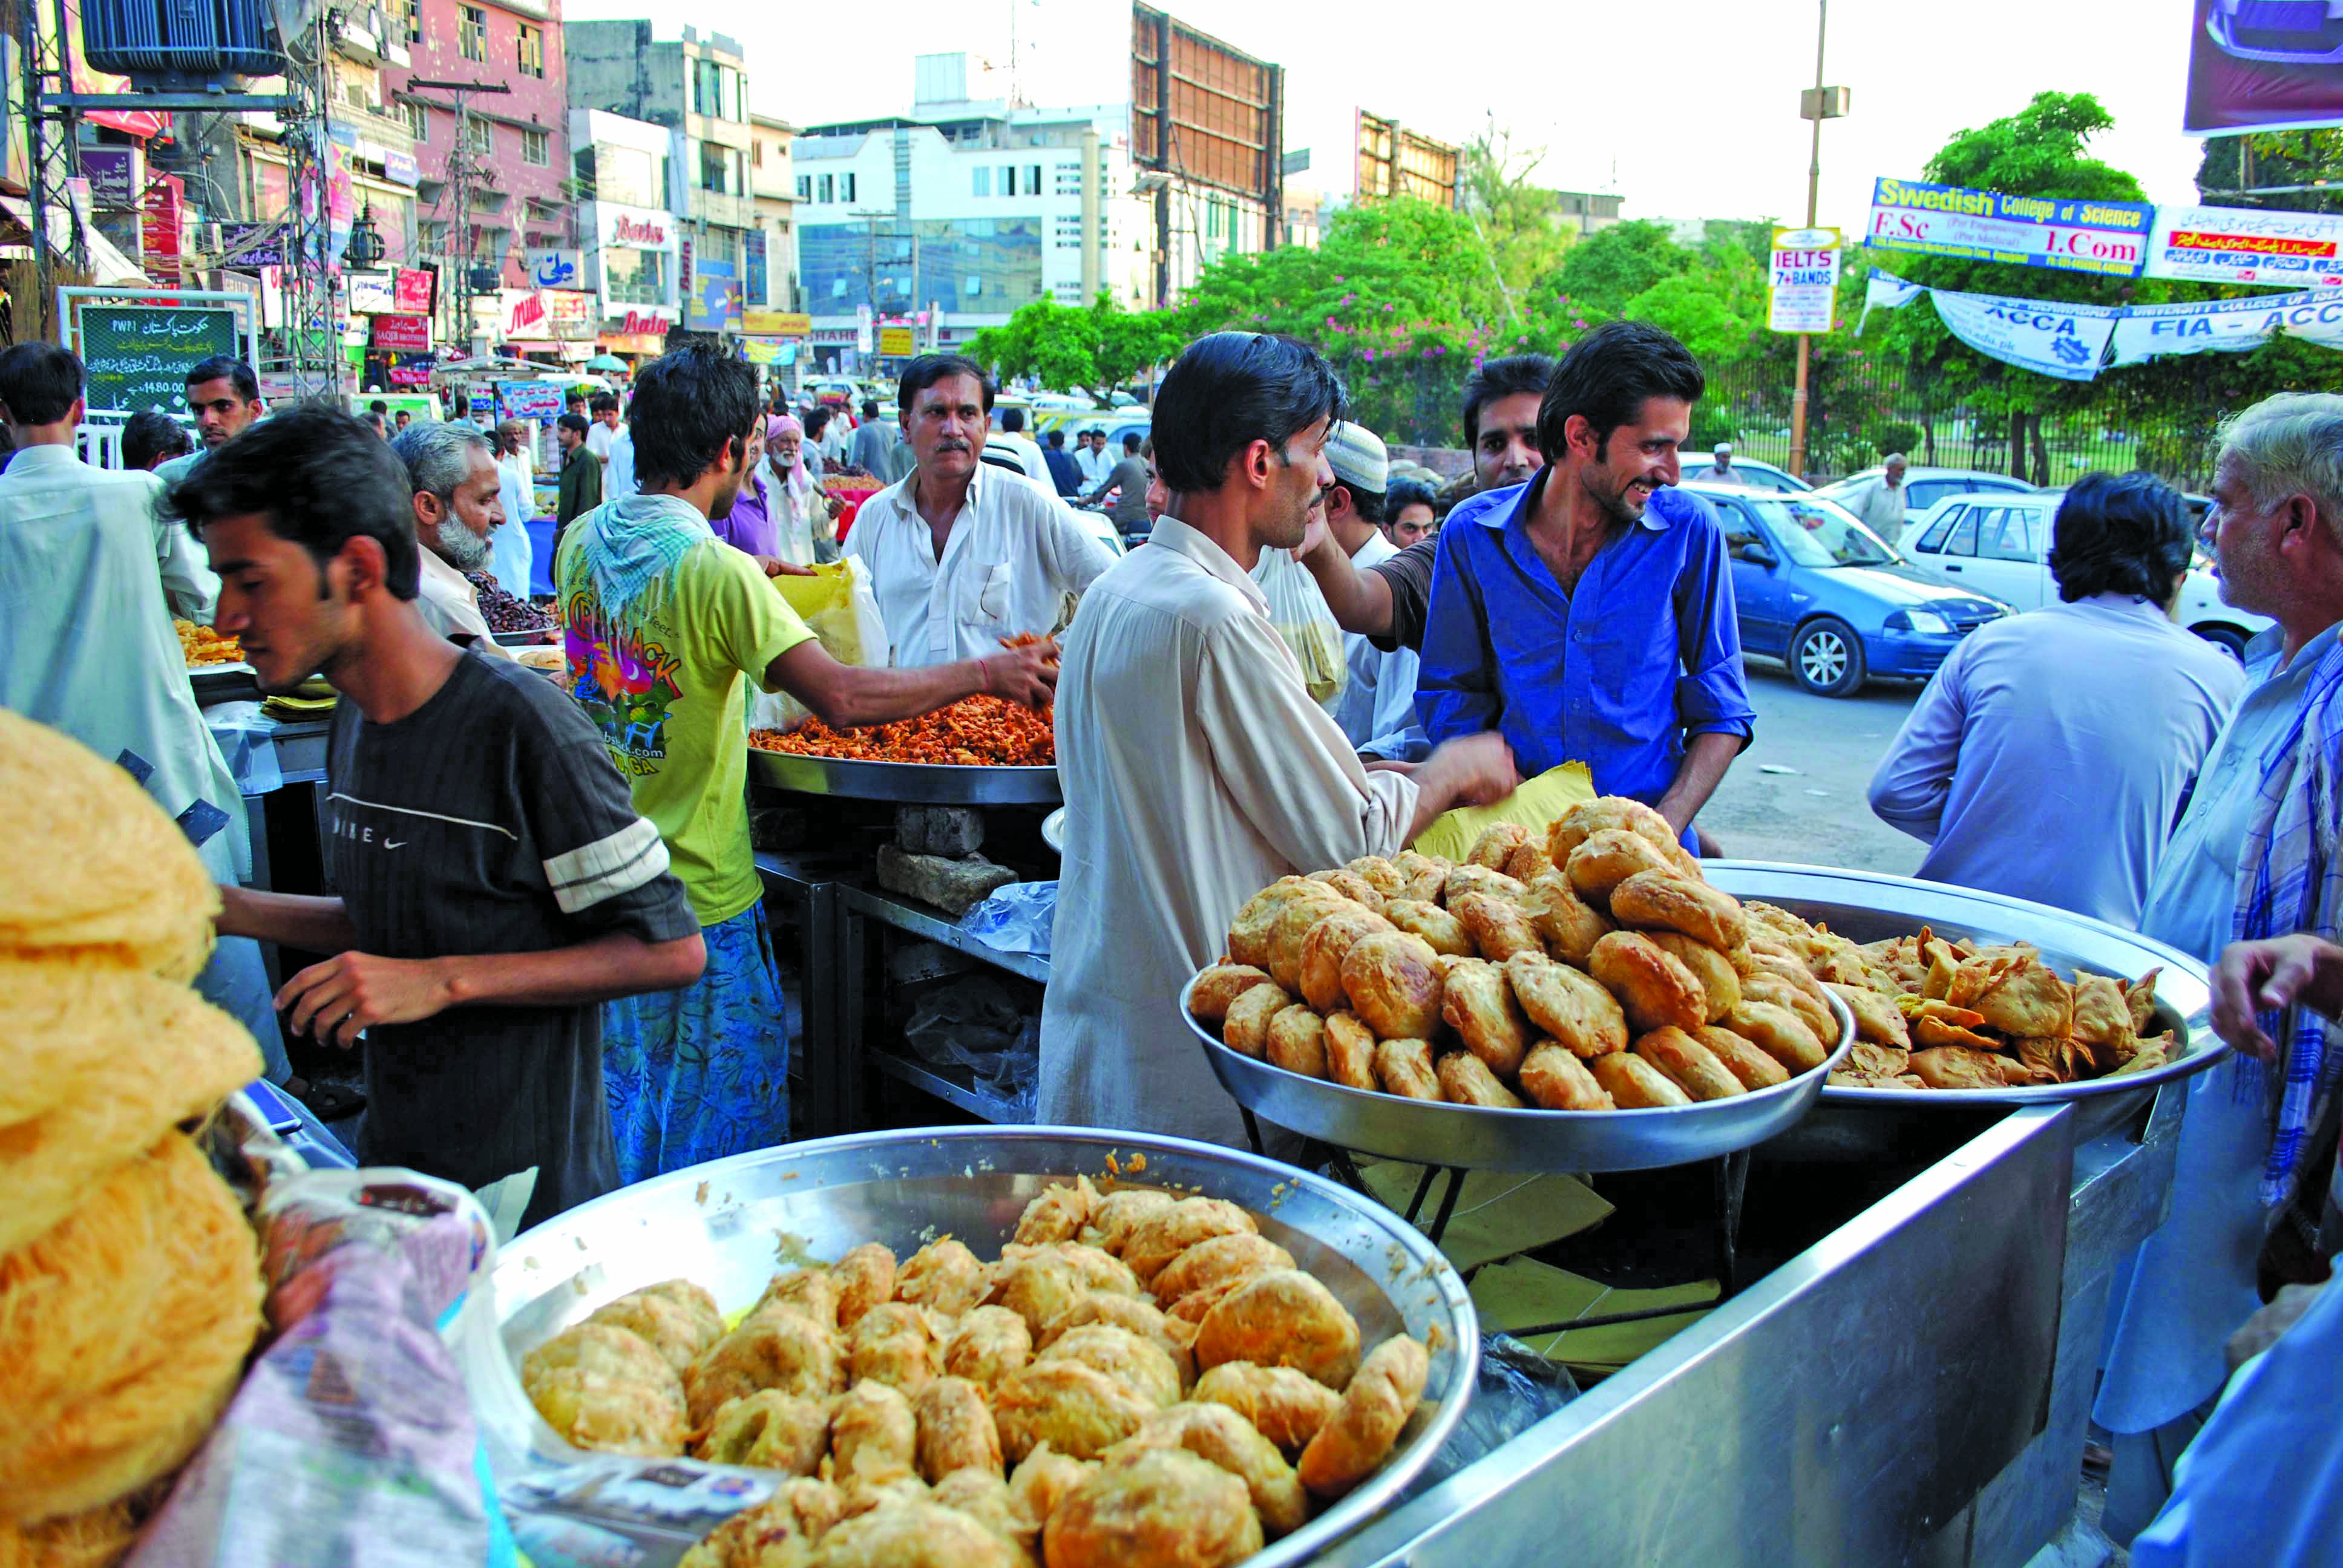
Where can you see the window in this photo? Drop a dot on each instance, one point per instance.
(1009, 179)
(805, 187)
(2009, 536)
(481, 136)
(1919, 494)
(1963, 536)
(634, 276)
(712, 168)
(472, 32)
(982, 179)
(412, 10)
(1032, 179)
(846, 186)
(419, 121)
(536, 148)
(715, 91)
(828, 194)
(1934, 539)
(532, 51)
(757, 154)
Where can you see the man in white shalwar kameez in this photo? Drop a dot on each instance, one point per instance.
(1197, 769)
(86, 643)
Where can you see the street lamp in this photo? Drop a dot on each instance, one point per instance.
(365, 248)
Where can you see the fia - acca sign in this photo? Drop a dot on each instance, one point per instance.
(2107, 237)
(1804, 280)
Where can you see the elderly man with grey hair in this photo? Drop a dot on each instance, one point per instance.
(1879, 500)
(2257, 854)
(453, 469)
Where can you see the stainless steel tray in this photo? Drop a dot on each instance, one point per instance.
(1865, 908)
(730, 1224)
(913, 783)
(1472, 1137)
(1053, 829)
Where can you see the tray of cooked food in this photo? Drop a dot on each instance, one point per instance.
(1969, 999)
(985, 1347)
(1588, 1001)
(215, 667)
(978, 751)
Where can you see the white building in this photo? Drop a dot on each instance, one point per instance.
(972, 207)
(624, 170)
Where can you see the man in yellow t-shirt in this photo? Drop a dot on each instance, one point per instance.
(665, 626)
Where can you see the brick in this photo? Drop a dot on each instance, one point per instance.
(777, 828)
(954, 886)
(951, 831)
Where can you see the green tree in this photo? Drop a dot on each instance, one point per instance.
(1520, 221)
(1605, 271)
(1071, 349)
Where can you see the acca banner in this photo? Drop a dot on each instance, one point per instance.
(1805, 280)
(2047, 337)
(2228, 326)
(2107, 237)
(2235, 244)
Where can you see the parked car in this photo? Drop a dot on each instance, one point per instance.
(1754, 474)
(1115, 422)
(1832, 599)
(2000, 545)
(1923, 487)
(1002, 454)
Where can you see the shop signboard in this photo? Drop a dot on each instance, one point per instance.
(411, 290)
(372, 293)
(646, 324)
(531, 399)
(482, 403)
(2235, 245)
(713, 303)
(571, 316)
(158, 229)
(400, 168)
(777, 323)
(137, 357)
(525, 314)
(410, 369)
(556, 268)
(113, 175)
(896, 341)
(2107, 237)
(247, 246)
(407, 334)
(1804, 286)
(769, 351)
(752, 254)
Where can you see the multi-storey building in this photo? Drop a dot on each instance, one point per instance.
(695, 87)
(497, 181)
(772, 281)
(628, 192)
(964, 208)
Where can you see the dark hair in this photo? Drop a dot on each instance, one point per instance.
(1130, 440)
(815, 421)
(576, 424)
(153, 434)
(1230, 389)
(1608, 374)
(870, 407)
(320, 478)
(930, 368)
(38, 382)
(575, 395)
(377, 407)
(226, 367)
(1371, 505)
(1506, 377)
(1406, 493)
(1056, 439)
(1012, 420)
(404, 414)
(693, 405)
(2120, 533)
(603, 403)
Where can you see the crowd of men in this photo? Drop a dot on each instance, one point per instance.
(546, 923)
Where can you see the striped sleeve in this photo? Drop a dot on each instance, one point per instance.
(606, 868)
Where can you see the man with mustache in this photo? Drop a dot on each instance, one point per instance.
(963, 557)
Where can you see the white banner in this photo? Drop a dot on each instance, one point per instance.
(1888, 292)
(2228, 326)
(2049, 338)
(1805, 280)
(2233, 244)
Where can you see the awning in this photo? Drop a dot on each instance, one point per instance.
(107, 266)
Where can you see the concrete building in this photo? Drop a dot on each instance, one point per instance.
(772, 250)
(628, 192)
(510, 155)
(1588, 212)
(694, 86)
(965, 208)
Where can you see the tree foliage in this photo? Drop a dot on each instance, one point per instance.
(1069, 348)
(1520, 221)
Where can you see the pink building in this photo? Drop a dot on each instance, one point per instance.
(518, 162)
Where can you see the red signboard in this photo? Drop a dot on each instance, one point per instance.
(409, 372)
(411, 289)
(639, 324)
(158, 228)
(407, 334)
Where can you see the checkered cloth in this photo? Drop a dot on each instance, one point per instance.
(2292, 881)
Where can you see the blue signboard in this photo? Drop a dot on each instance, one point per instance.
(2109, 238)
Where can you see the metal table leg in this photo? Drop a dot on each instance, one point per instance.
(1732, 1184)
(1252, 1130)
(819, 956)
(1447, 1207)
(1422, 1191)
(851, 963)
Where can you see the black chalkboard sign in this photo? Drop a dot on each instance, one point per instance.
(138, 356)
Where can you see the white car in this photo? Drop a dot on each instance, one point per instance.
(1999, 544)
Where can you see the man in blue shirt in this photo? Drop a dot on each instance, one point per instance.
(1066, 477)
(1588, 614)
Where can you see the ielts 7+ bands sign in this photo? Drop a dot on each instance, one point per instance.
(2106, 237)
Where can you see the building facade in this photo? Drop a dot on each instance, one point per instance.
(952, 216)
(624, 174)
(695, 86)
(772, 271)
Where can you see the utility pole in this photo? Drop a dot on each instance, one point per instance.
(460, 169)
(1819, 104)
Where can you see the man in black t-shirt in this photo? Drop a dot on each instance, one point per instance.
(494, 882)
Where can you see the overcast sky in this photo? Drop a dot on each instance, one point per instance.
(1700, 122)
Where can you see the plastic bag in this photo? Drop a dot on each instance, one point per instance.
(1306, 622)
(1517, 1389)
(974, 1023)
(1016, 919)
(838, 606)
(1535, 806)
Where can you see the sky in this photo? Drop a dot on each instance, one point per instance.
(1699, 120)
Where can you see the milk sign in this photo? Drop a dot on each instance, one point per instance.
(1805, 280)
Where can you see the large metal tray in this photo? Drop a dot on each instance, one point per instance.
(217, 683)
(1471, 1137)
(1866, 908)
(726, 1223)
(912, 783)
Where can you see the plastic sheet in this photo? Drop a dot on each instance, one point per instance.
(974, 1023)
(1017, 918)
(248, 738)
(1518, 1388)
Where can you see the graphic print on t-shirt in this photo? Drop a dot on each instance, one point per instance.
(625, 682)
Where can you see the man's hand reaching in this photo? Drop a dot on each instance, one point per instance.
(1026, 674)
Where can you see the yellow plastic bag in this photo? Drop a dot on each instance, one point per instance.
(839, 607)
(1535, 806)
